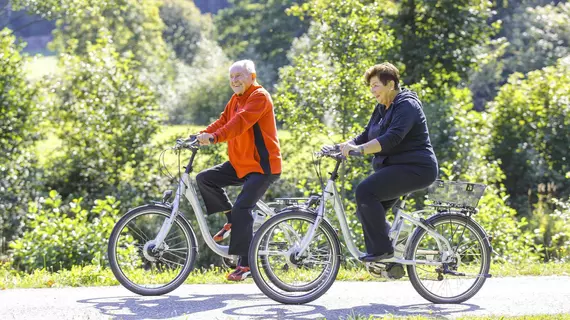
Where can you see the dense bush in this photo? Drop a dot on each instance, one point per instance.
(109, 116)
(60, 236)
(19, 122)
(531, 133)
(462, 140)
(550, 222)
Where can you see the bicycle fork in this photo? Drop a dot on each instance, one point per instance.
(167, 224)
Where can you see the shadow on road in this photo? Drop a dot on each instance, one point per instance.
(170, 306)
(162, 307)
(279, 311)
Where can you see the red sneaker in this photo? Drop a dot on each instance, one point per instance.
(223, 233)
(239, 274)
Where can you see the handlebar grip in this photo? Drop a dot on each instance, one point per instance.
(355, 153)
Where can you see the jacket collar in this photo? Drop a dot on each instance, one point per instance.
(241, 99)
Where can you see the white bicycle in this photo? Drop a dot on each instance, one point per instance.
(152, 248)
(295, 255)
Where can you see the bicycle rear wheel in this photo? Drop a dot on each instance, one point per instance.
(136, 261)
(276, 269)
(470, 262)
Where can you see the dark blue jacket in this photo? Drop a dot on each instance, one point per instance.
(402, 132)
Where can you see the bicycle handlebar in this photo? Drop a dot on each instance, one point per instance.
(189, 143)
(335, 153)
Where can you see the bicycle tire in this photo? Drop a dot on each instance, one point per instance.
(485, 247)
(112, 252)
(307, 293)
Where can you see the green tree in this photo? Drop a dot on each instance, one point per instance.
(201, 90)
(324, 85)
(534, 34)
(325, 78)
(185, 27)
(133, 27)
(18, 133)
(108, 113)
(532, 132)
(350, 36)
(462, 140)
(262, 31)
(437, 39)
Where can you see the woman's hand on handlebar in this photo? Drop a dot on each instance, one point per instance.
(326, 149)
(346, 147)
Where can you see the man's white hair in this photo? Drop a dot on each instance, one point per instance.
(246, 64)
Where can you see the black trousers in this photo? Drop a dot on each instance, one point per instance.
(212, 180)
(378, 192)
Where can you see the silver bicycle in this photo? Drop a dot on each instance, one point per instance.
(295, 255)
(152, 248)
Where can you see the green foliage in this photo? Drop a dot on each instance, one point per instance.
(184, 28)
(61, 236)
(538, 37)
(531, 38)
(132, 26)
(324, 80)
(108, 115)
(437, 39)
(322, 90)
(462, 140)
(550, 222)
(531, 117)
(53, 9)
(261, 31)
(350, 36)
(201, 90)
(18, 133)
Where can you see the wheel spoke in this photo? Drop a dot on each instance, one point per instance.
(469, 260)
(143, 268)
(284, 276)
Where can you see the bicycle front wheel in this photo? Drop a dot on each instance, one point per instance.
(469, 265)
(280, 272)
(144, 267)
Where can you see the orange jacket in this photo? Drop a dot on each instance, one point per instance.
(248, 125)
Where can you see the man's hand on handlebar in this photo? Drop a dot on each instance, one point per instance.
(205, 138)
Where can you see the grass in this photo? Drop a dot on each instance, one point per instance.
(51, 145)
(100, 276)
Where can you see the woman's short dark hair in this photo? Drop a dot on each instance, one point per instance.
(385, 72)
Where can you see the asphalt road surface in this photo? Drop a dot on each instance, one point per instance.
(499, 296)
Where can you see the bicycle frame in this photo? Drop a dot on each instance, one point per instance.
(186, 189)
(330, 193)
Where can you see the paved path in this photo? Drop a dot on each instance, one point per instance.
(499, 296)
